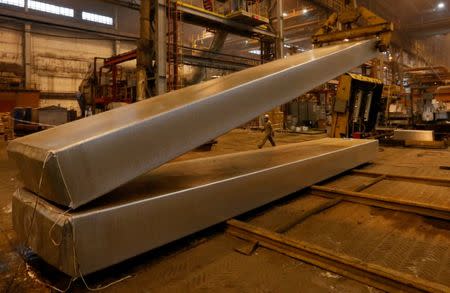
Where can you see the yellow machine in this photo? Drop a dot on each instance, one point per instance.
(358, 98)
(354, 22)
(356, 106)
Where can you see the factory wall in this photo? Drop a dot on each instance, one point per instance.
(58, 64)
(11, 55)
(60, 57)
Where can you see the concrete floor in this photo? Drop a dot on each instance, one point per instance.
(207, 261)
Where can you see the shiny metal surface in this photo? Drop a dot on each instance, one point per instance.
(88, 158)
(414, 135)
(176, 200)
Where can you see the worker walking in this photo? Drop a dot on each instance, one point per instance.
(268, 132)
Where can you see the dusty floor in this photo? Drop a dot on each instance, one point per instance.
(207, 261)
(246, 140)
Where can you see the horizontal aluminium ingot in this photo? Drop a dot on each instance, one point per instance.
(176, 200)
(413, 135)
(75, 163)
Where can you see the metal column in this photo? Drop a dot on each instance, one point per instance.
(161, 48)
(143, 51)
(27, 55)
(280, 36)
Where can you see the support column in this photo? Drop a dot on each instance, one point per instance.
(143, 51)
(280, 38)
(116, 47)
(27, 55)
(161, 48)
(116, 44)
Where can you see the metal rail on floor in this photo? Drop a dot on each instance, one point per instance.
(387, 202)
(376, 276)
(427, 179)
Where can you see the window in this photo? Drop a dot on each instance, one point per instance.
(97, 18)
(19, 3)
(45, 7)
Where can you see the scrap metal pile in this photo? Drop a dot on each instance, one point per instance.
(96, 191)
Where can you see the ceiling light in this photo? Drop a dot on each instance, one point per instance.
(346, 40)
(441, 5)
(285, 14)
(305, 10)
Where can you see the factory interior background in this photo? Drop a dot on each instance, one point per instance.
(225, 146)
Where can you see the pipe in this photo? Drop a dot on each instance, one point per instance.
(216, 45)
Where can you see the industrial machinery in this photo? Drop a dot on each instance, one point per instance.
(356, 106)
(426, 103)
(395, 109)
(354, 22)
(357, 102)
(110, 84)
(107, 84)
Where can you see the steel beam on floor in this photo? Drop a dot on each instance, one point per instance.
(371, 274)
(434, 180)
(388, 202)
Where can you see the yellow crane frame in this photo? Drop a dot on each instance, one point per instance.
(343, 25)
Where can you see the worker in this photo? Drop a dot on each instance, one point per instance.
(268, 132)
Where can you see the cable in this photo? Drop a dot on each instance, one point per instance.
(22, 253)
(77, 269)
(106, 286)
(34, 123)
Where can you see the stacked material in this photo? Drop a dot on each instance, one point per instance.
(176, 200)
(85, 207)
(78, 162)
(6, 126)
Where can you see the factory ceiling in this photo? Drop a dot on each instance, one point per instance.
(419, 18)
